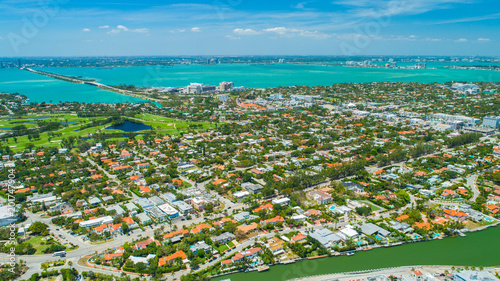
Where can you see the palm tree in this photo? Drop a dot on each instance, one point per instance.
(45, 266)
(70, 263)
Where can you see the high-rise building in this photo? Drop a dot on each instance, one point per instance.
(19, 63)
(226, 86)
(194, 88)
(491, 121)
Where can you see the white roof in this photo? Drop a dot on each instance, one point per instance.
(168, 209)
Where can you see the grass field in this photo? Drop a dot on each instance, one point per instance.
(70, 130)
(161, 124)
(170, 126)
(374, 207)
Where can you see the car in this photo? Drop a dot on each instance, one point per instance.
(229, 207)
(139, 235)
(57, 229)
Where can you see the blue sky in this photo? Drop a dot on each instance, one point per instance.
(244, 27)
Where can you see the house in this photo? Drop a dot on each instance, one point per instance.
(455, 215)
(274, 220)
(200, 245)
(143, 202)
(223, 238)
(238, 257)
(299, 238)
(251, 187)
(276, 246)
(144, 218)
(94, 201)
(267, 206)
(320, 197)
(349, 231)
(179, 254)
(243, 216)
(247, 228)
(183, 207)
(372, 229)
(144, 260)
(251, 253)
(353, 186)
(169, 210)
(447, 193)
(326, 237)
(176, 234)
(282, 201)
(144, 244)
(469, 275)
(199, 228)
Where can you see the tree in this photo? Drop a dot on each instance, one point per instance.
(39, 228)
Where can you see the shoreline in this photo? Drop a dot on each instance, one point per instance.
(365, 248)
(406, 271)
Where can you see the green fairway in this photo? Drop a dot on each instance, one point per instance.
(169, 125)
(160, 124)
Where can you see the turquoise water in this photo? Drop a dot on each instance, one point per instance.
(40, 88)
(274, 75)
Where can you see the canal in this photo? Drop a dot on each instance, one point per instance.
(477, 249)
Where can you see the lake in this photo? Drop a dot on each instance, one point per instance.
(477, 249)
(129, 127)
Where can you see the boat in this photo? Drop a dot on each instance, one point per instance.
(263, 268)
(350, 253)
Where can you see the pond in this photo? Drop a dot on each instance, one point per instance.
(129, 127)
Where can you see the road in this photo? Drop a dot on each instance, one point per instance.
(471, 183)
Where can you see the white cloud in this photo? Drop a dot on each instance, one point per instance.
(292, 32)
(104, 26)
(433, 39)
(120, 28)
(483, 39)
(472, 19)
(140, 30)
(280, 30)
(247, 31)
(195, 29)
(232, 37)
(461, 40)
(86, 30)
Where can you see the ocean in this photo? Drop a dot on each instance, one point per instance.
(40, 88)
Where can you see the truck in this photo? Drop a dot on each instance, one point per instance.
(61, 254)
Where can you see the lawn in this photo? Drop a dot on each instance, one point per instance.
(170, 125)
(374, 207)
(36, 242)
(163, 125)
(222, 248)
(71, 130)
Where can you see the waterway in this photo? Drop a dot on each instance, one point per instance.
(270, 75)
(477, 249)
(40, 88)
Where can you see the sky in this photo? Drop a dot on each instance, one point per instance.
(249, 27)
